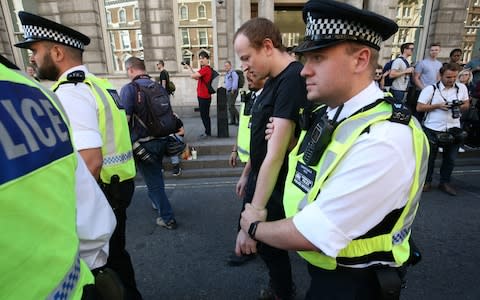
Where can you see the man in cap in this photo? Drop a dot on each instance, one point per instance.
(99, 125)
(355, 175)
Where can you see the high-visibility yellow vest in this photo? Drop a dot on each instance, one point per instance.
(299, 191)
(243, 136)
(117, 147)
(39, 242)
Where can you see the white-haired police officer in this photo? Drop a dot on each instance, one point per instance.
(355, 176)
(99, 124)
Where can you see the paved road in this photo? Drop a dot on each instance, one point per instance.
(190, 263)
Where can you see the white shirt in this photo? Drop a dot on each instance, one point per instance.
(80, 106)
(438, 119)
(372, 179)
(401, 82)
(95, 219)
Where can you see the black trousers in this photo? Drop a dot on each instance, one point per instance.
(119, 260)
(343, 284)
(277, 260)
(204, 106)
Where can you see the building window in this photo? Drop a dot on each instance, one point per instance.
(202, 11)
(183, 12)
(187, 57)
(125, 38)
(124, 32)
(290, 39)
(137, 13)
(122, 15)
(185, 37)
(139, 40)
(202, 38)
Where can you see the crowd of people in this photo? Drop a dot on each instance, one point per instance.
(332, 169)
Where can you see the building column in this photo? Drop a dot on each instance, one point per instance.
(158, 34)
(266, 9)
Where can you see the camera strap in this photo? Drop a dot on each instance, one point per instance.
(440, 91)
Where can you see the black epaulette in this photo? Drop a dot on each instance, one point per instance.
(400, 112)
(309, 114)
(76, 76)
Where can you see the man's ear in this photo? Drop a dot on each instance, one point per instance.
(57, 53)
(362, 59)
(268, 46)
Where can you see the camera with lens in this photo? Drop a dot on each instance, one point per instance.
(455, 107)
(141, 153)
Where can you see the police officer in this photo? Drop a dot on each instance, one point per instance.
(356, 174)
(99, 125)
(242, 148)
(41, 178)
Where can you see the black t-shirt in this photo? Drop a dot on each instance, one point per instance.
(282, 97)
(163, 76)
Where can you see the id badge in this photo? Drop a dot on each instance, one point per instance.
(304, 177)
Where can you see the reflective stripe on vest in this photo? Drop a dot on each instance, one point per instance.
(69, 282)
(41, 253)
(391, 247)
(243, 136)
(116, 149)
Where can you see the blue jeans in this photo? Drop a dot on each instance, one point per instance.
(448, 162)
(399, 95)
(153, 176)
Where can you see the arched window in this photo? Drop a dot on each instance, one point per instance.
(122, 15)
(202, 11)
(183, 12)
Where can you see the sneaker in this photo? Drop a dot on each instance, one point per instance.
(172, 224)
(461, 150)
(204, 136)
(177, 171)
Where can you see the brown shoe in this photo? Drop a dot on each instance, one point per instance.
(427, 187)
(447, 188)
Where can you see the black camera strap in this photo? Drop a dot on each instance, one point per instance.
(440, 92)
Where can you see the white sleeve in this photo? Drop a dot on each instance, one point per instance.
(426, 95)
(462, 92)
(398, 64)
(95, 218)
(81, 108)
(372, 180)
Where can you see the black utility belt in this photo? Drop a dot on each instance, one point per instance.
(453, 136)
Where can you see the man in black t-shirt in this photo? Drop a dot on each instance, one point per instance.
(259, 45)
(164, 76)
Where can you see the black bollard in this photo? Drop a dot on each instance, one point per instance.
(222, 115)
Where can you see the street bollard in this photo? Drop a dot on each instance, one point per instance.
(222, 115)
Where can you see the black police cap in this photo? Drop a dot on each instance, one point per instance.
(330, 22)
(36, 28)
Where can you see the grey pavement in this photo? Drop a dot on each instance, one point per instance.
(190, 262)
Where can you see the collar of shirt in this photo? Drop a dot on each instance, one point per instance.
(442, 87)
(367, 96)
(76, 68)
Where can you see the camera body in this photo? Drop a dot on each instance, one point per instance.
(141, 153)
(455, 107)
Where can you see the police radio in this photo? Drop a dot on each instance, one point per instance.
(319, 139)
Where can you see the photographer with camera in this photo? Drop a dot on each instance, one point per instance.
(442, 104)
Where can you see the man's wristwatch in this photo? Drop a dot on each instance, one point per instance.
(252, 229)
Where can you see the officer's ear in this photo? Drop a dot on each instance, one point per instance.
(57, 53)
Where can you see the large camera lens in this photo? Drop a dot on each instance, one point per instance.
(455, 107)
(141, 153)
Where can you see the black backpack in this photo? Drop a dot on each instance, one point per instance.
(153, 110)
(241, 78)
(388, 66)
(212, 85)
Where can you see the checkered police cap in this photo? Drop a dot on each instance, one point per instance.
(329, 22)
(36, 28)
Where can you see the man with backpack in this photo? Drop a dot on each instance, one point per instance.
(151, 120)
(231, 85)
(164, 78)
(400, 72)
(203, 77)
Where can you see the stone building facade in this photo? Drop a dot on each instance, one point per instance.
(159, 29)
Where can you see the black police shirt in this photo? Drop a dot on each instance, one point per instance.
(282, 97)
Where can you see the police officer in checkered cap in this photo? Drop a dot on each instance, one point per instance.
(91, 106)
(356, 173)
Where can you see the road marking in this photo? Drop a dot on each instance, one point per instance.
(171, 186)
